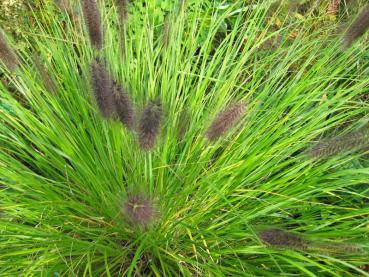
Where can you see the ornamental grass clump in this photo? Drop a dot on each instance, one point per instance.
(81, 197)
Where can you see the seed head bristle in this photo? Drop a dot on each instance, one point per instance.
(138, 209)
(280, 238)
(103, 89)
(7, 56)
(92, 18)
(337, 247)
(357, 28)
(45, 76)
(149, 125)
(63, 5)
(225, 120)
(123, 106)
(122, 6)
(349, 142)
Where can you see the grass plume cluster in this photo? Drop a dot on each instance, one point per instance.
(72, 182)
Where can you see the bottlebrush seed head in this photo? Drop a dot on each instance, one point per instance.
(124, 107)
(93, 22)
(122, 6)
(357, 28)
(225, 120)
(280, 238)
(103, 89)
(138, 209)
(149, 125)
(351, 141)
(7, 56)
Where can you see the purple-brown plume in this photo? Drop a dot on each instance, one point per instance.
(225, 120)
(280, 238)
(149, 125)
(351, 141)
(122, 6)
(63, 5)
(357, 28)
(92, 18)
(138, 209)
(7, 56)
(123, 107)
(102, 87)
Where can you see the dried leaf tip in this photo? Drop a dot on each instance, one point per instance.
(102, 87)
(139, 209)
(226, 120)
(149, 125)
(280, 238)
(124, 107)
(93, 22)
(7, 56)
(352, 141)
(358, 27)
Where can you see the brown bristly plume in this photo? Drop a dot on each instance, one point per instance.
(91, 14)
(7, 56)
(123, 107)
(280, 238)
(352, 141)
(139, 209)
(47, 80)
(357, 28)
(149, 125)
(122, 6)
(63, 5)
(103, 89)
(225, 120)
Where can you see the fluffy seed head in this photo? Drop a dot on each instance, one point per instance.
(103, 89)
(225, 121)
(63, 5)
(138, 209)
(7, 56)
(280, 238)
(92, 18)
(351, 141)
(122, 6)
(357, 28)
(123, 106)
(149, 125)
